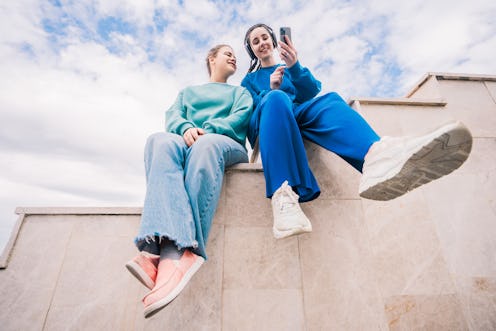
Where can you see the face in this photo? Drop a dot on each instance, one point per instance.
(261, 43)
(224, 61)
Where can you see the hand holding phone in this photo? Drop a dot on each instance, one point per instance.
(285, 31)
(287, 52)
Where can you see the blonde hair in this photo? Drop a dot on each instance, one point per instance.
(213, 53)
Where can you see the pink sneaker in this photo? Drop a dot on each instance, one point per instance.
(144, 268)
(171, 279)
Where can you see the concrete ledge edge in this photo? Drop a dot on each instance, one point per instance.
(78, 210)
(450, 76)
(245, 167)
(7, 251)
(437, 102)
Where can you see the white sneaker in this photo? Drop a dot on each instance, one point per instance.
(289, 219)
(394, 166)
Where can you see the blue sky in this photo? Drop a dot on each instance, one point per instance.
(85, 82)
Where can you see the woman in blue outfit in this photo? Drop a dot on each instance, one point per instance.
(205, 131)
(288, 110)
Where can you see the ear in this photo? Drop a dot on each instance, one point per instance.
(211, 59)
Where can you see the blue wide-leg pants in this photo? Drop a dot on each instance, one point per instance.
(183, 186)
(326, 120)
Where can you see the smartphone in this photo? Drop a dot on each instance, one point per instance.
(285, 31)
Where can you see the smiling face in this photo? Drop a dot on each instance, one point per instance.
(227, 59)
(262, 44)
(221, 63)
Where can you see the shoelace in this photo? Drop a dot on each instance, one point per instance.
(287, 200)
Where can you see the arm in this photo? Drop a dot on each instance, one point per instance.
(175, 117)
(256, 93)
(305, 83)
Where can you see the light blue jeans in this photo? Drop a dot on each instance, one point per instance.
(183, 186)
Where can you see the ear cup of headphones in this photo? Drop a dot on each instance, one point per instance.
(249, 50)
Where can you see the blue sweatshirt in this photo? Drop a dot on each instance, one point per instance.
(215, 107)
(298, 83)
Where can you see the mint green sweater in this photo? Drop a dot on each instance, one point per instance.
(215, 107)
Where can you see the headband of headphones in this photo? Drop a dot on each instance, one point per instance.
(247, 38)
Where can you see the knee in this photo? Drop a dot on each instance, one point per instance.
(162, 142)
(154, 137)
(277, 103)
(207, 144)
(277, 96)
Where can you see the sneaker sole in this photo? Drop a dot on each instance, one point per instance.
(136, 270)
(159, 305)
(442, 155)
(279, 234)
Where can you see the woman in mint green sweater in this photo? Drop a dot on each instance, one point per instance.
(205, 132)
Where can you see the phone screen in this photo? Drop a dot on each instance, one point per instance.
(285, 31)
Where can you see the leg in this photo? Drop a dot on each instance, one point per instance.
(331, 123)
(285, 165)
(204, 172)
(164, 160)
(167, 209)
(282, 150)
(204, 169)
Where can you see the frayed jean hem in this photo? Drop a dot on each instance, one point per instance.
(141, 241)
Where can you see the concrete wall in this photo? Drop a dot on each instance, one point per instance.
(426, 260)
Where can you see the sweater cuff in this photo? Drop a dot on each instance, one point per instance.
(184, 127)
(296, 69)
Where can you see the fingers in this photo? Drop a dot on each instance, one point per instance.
(194, 133)
(288, 57)
(288, 41)
(287, 44)
(276, 78)
(191, 135)
(188, 138)
(288, 52)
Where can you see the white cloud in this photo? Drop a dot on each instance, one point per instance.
(436, 35)
(140, 12)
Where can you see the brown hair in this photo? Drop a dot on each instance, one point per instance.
(213, 53)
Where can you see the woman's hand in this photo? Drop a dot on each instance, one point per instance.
(287, 52)
(191, 135)
(276, 78)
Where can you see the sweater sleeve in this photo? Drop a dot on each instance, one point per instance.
(235, 124)
(255, 91)
(305, 83)
(175, 117)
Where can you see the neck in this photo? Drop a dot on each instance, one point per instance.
(217, 78)
(268, 62)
